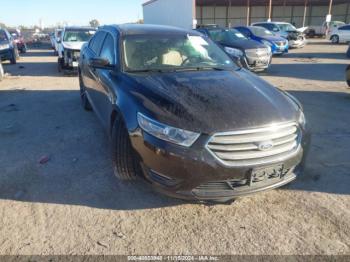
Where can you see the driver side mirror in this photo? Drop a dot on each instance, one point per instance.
(100, 62)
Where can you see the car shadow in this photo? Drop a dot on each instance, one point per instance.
(309, 70)
(52, 151)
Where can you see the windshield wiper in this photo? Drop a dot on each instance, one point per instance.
(145, 70)
(199, 68)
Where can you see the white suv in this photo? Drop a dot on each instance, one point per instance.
(70, 45)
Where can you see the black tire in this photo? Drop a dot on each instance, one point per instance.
(84, 100)
(59, 65)
(23, 49)
(335, 39)
(13, 59)
(126, 165)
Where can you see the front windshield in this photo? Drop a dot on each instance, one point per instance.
(3, 36)
(260, 31)
(286, 27)
(226, 35)
(78, 35)
(173, 52)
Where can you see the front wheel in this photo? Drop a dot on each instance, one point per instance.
(13, 59)
(126, 165)
(335, 39)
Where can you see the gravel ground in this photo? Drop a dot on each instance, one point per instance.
(70, 203)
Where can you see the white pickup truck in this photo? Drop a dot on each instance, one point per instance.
(321, 30)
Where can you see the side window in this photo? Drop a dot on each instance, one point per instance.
(108, 49)
(347, 27)
(97, 41)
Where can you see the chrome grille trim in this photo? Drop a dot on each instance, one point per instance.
(241, 148)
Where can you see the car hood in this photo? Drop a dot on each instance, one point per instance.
(73, 45)
(274, 38)
(212, 101)
(245, 44)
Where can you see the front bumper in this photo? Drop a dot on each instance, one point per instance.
(297, 43)
(6, 54)
(194, 174)
(71, 59)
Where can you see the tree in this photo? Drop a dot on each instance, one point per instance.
(94, 23)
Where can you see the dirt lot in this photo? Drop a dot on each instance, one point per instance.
(72, 204)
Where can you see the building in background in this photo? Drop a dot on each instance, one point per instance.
(189, 13)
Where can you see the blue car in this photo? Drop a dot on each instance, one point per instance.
(278, 45)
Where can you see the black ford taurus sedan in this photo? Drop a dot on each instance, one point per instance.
(182, 115)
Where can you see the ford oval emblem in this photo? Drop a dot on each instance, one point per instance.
(266, 145)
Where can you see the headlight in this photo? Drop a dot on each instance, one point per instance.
(268, 45)
(4, 46)
(171, 134)
(302, 120)
(233, 51)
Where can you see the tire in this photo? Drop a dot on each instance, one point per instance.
(84, 100)
(126, 165)
(23, 49)
(335, 39)
(2, 73)
(59, 65)
(13, 59)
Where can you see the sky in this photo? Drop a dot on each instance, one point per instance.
(75, 12)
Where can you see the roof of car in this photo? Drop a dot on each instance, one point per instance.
(145, 29)
(79, 28)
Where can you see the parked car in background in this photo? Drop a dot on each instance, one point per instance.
(19, 40)
(278, 45)
(2, 73)
(323, 29)
(248, 53)
(181, 114)
(296, 39)
(340, 34)
(70, 44)
(56, 39)
(8, 47)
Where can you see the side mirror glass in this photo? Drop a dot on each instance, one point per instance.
(100, 63)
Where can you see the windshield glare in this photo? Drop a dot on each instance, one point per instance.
(286, 27)
(78, 36)
(260, 31)
(175, 52)
(226, 35)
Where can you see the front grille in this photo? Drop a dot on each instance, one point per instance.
(280, 43)
(256, 146)
(259, 52)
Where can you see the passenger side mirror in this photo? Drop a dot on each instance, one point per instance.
(101, 63)
(348, 75)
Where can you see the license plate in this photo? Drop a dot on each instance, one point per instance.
(262, 61)
(259, 175)
(75, 64)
